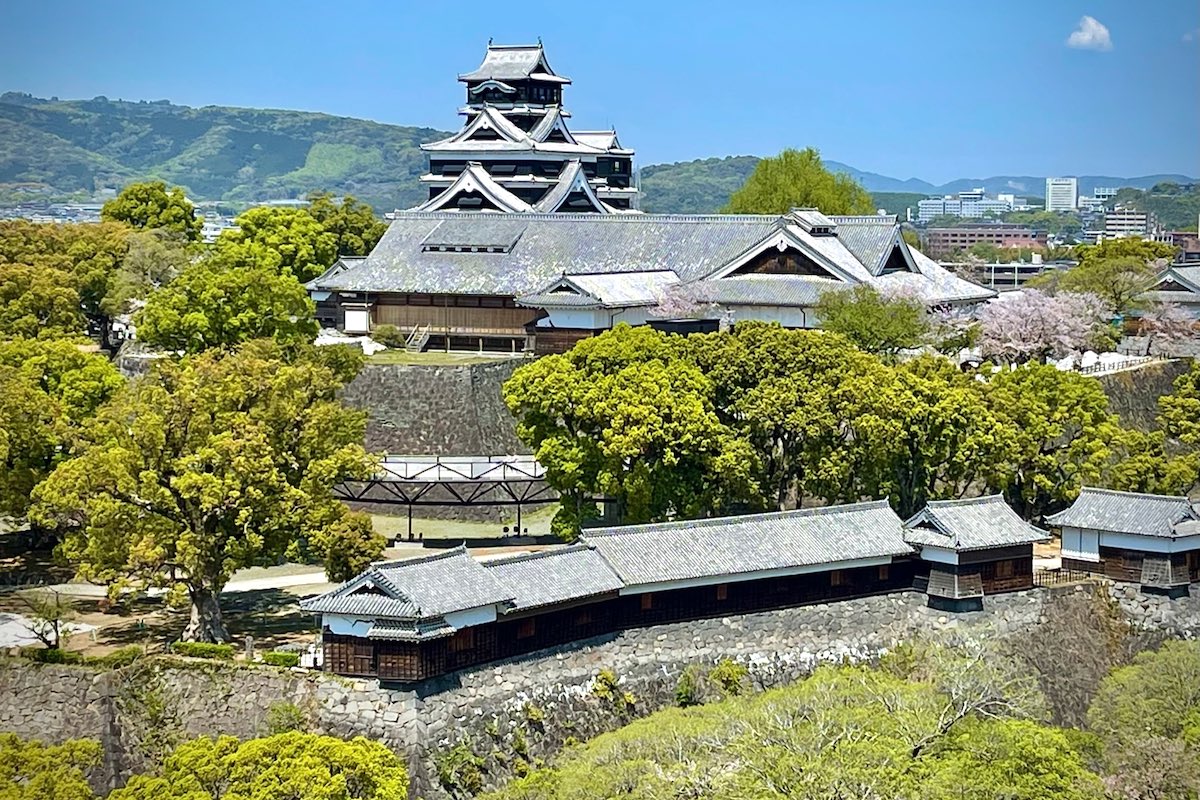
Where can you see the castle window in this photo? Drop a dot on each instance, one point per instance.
(647, 602)
(723, 591)
(838, 578)
(462, 640)
(883, 572)
(527, 628)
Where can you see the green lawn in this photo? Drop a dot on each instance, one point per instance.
(433, 358)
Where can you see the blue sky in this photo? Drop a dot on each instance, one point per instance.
(929, 89)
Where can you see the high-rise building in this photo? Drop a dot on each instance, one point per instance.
(1062, 194)
(515, 152)
(971, 204)
(1131, 222)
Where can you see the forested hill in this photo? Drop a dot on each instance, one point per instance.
(58, 149)
(238, 154)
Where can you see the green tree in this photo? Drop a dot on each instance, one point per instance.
(47, 389)
(214, 305)
(1065, 436)
(798, 179)
(1118, 281)
(1129, 247)
(290, 241)
(645, 433)
(33, 770)
(152, 205)
(38, 301)
(294, 765)
(89, 253)
(154, 259)
(354, 224)
(951, 439)
(1157, 695)
(875, 323)
(1179, 412)
(231, 462)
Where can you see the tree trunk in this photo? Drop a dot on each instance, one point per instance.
(206, 624)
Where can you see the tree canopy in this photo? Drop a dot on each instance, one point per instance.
(290, 241)
(216, 304)
(295, 765)
(153, 206)
(763, 417)
(38, 302)
(209, 464)
(354, 224)
(33, 770)
(878, 324)
(798, 179)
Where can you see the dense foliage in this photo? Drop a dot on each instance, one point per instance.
(763, 417)
(209, 464)
(798, 179)
(294, 765)
(876, 323)
(1176, 206)
(151, 205)
(235, 154)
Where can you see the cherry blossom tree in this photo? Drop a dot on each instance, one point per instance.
(690, 301)
(1166, 323)
(1033, 326)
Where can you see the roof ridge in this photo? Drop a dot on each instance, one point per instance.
(562, 216)
(965, 501)
(461, 549)
(621, 530)
(1096, 489)
(577, 547)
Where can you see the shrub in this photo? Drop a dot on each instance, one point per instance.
(121, 657)
(533, 713)
(459, 769)
(728, 676)
(50, 655)
(281, 658)
(223, 652)
(687, 690)
(389, 336)
(283, 717)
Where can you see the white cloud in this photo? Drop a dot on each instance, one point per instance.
(1192, 36)
(1091, 35)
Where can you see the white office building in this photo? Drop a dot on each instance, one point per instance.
(1062, 194)
(971, 204)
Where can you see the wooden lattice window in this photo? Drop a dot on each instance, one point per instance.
(527, 628)
(723, 591)
(647, 601)
(838, 578)
(462, 640)
(884, 570)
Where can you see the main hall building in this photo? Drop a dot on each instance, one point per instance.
(531, 240)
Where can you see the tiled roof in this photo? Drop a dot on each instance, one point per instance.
(869, 241)
(551, 245)
(1126, 512)
(975, 524)
(512, 62)
(420, 588)
(766, 290)
(554, 576)
(729, 546)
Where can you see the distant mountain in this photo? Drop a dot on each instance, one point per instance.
(79, 147)
(704, 186)
(61, 148)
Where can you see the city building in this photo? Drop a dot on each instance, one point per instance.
(1062, 194)
(942, 242)
(970, 204)
(1149, 539)
(515, 151)
(542, 281)
(1122, 222)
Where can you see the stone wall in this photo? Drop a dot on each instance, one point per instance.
(511, 713)
(437, 410)
(1133, 394)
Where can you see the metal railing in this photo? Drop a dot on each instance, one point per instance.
(1059, 577)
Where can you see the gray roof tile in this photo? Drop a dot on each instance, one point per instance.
(975, 524)
(1126, 512)
(548, 246)
(419, 588)
(554, 576)
(729, 546)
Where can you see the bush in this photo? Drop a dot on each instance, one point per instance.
(389, 336)
(50, 655)
(729, 676)
(283, 717)
(223, 652)
(122, 657)
(280, 658)
(687, 692)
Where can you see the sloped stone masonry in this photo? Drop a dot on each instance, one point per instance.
(512, 712)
